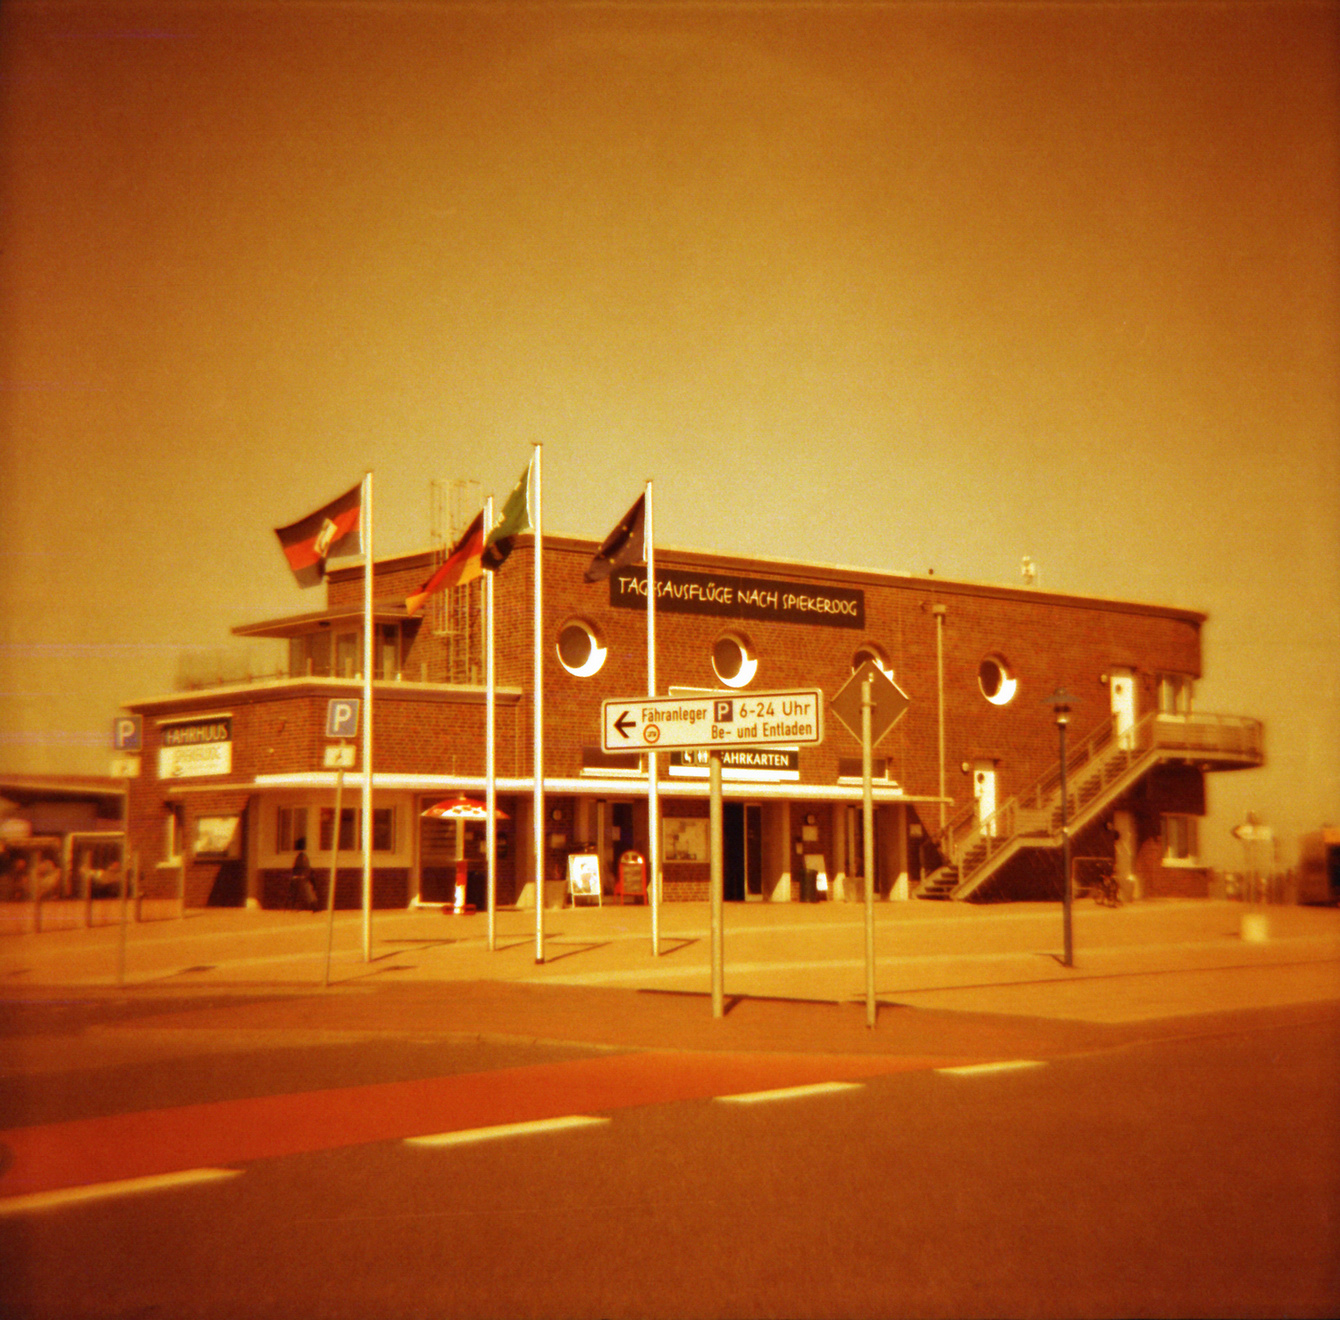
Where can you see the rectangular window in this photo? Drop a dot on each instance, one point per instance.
(173, 825)
(386, 661)
(351, 838)
(348, 655)
(290, 827)
(1180, 841)
(1175, 692)
(850, 769)
(309, 655)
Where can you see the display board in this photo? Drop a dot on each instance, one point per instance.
(584, 877)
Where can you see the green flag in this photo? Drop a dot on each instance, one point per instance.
(515, 520)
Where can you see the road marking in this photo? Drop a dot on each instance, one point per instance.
(787, 1093)
(1006, 1065)
(17, 1205)
(92, 1151)
(506, 1130)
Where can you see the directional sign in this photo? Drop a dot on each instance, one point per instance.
(748, 719)
(890, 702)
(1253, 832)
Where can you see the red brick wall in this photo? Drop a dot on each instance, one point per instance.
(1048, 642)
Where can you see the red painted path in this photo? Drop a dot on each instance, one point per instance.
(83, 1152)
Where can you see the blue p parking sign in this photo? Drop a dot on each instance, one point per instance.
(342, 717)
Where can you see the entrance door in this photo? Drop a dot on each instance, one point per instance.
(1123, 706)
(741, 851)
(621, 838)
(733, 852)
(984, 790)
(753, 850)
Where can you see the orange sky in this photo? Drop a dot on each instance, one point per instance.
(893, 285)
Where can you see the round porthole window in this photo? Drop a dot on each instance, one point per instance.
(997, 683)
(580, 650)
(733, 660)
(873, 653)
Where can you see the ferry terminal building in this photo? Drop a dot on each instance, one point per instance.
(234, 776)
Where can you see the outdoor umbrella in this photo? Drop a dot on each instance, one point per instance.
(460, 810)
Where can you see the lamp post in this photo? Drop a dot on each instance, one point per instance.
(1060, 701)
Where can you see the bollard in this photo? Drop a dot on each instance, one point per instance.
(1255, 928)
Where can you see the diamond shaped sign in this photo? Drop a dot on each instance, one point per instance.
(890, 702)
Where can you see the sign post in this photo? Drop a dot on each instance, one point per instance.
(868, 840)
(1251, 833)
(717, 883)
(871, 702)
(717, 722)
(341, 723)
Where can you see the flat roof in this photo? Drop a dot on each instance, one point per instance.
(681, 556)
(293, 625)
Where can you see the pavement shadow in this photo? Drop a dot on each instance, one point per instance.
(679, 945)
(573, 948)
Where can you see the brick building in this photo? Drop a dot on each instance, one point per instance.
(234, 776)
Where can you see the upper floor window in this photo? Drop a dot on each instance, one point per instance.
(869, 651)
(998, 685)
(580, 650)
(733, 660)
(1175, 691)
(327, 654)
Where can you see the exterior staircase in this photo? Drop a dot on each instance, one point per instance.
(1100, 770)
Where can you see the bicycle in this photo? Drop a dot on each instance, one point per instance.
(1102, 886)
(1106, 891)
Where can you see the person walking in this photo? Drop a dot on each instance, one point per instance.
(302, 889)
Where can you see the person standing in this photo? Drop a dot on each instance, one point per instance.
(301, 889)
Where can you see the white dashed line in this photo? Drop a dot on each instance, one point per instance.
(787, 1093)
(64, 1196)
(469, 1135)
(1007, 1065)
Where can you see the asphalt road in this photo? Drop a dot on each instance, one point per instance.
(1193, 1170)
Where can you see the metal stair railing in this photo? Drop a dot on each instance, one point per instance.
(1097, 768)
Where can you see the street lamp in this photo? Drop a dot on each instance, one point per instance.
(1060, 701)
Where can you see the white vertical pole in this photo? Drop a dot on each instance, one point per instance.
(537, 805)
(868, 840)
(490, 749)
(653, 786)
(334, 867)
(367, 721)
(716, 882)
(939, 612)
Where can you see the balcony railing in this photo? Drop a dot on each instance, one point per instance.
(1229, 739)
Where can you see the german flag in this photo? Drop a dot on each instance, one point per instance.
(462, 565)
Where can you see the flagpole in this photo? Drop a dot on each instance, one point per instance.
(490, 763)
(367, 721)
(537, 802)
(653, 786)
